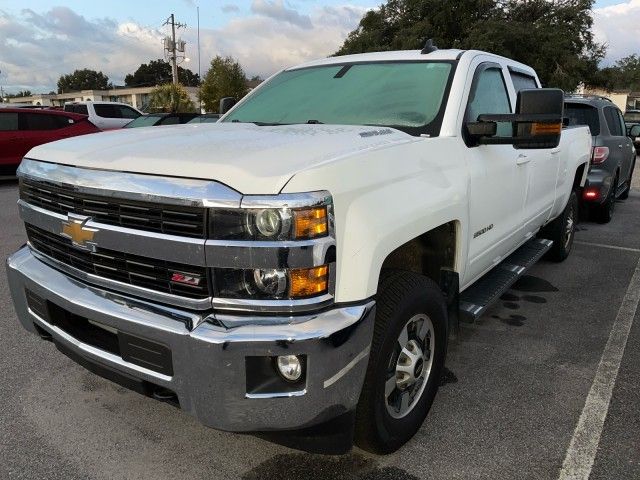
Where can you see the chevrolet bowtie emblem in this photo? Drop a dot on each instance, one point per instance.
(81, 236)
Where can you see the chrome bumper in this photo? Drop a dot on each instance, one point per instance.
(209, 360)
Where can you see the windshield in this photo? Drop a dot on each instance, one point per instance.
(404, 95)
(205, 119)
(144, 121)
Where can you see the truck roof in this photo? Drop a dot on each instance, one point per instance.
(406, 55)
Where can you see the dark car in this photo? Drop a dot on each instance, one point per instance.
(633, 132)
(206, 118)
(157, 119)
(613, 156)
(22, 129)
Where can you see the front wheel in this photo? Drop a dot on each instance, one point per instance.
(562, 230)
(406, 361)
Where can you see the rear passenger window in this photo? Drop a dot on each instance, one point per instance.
(523, 81)
(81, 109)
(582, 114)
(8, 121)
(128, 112)
(613, 122)
(489, 95)
(36, 121)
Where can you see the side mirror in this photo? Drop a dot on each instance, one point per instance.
(226, 104)
(635, 131)
(537, 122)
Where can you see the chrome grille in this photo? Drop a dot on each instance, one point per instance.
(130, 269)
(152, 217)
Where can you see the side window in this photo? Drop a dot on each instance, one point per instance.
(611, 116)
(489, 95)
(82, 109)
(623, 127)
(35, 121)
(8, 122)
(128, 112)
(522, 81)
(173, 120)
(107, 111)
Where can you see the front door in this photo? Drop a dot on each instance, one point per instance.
(497, 182)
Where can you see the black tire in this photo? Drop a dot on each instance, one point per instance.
(401, 296)
(562, 230)
(625, 194)
(603, 213)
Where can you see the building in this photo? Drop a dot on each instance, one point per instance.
(136, 97)
(624, 99)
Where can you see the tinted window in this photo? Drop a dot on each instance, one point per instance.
(8, 121)
(582, 114)
(522, 81)
(81, 109)
(35, 121)
(172, 120)
(611, 116)
(489, 95)
(107, 111)
(406, 95)
(127, 112)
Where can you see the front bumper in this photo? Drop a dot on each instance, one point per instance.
(209, 361)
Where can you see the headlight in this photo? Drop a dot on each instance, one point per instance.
(277, 283)
(288, 222)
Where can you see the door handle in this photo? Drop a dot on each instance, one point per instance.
(556, 150)
(620, 146)
(522, 159)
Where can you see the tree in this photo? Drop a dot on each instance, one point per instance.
(21, 93)
(553, 36)
(158, 72)
(170, 98)
(84, 79)
(225, 78)
(624, 75)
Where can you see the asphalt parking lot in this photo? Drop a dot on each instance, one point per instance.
(516, 389)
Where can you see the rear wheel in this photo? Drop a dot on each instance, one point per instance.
(406, 361)
(604, 212)
(562, 230)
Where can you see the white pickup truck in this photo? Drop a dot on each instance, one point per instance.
(303, 262)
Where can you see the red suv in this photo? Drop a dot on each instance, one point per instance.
(22, 129)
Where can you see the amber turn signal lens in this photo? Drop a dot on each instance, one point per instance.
(546, 128)
(310, 222)
(307, 282)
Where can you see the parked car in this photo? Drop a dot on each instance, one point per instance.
(105, 115)
(613, 157)
(22, 129)
(632, 116)
(304, 264)
(633, 132)
(206, 118)
(157, 119)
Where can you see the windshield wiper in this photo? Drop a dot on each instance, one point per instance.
(314, 122)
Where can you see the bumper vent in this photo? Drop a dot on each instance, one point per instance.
(151, 217)
(130, 269)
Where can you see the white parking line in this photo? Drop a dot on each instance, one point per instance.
(582, 450)
(613, 247)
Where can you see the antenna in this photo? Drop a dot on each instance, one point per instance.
(429, 47)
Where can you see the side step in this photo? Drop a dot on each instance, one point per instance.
(475, 300)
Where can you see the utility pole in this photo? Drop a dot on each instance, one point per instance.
(173, 46)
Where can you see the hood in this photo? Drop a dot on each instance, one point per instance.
(246, 157)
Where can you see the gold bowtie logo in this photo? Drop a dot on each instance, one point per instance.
(81, 236)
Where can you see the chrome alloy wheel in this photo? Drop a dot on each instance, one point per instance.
(569, 227)
(410, 366)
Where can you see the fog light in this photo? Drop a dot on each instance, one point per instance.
(289, 367)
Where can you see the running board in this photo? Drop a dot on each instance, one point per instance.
(475, 300)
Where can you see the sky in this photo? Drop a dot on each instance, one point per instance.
(43, 39)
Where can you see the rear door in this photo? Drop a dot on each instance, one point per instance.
(618, 142)
(9, 143)
(628, 150)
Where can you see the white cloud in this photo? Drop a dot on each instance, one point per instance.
(39, 47)
(618, 26)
